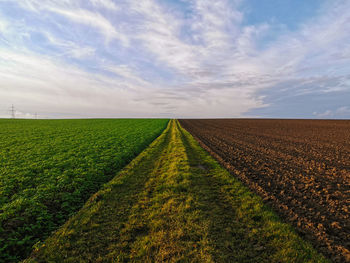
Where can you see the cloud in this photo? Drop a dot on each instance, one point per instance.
(341, 112)
(159, 33)
(74, 11)
(3, 25)
(92, 19)
(107, 4)
(61, 88)
(195, 58)
(82, 52)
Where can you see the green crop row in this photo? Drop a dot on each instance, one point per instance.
(49, 168)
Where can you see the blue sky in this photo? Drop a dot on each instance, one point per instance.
(175, 58)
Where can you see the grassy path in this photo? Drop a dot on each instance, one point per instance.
(175, 203)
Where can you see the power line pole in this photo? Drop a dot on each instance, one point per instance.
(13, 112)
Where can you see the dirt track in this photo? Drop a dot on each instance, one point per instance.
(301, 167)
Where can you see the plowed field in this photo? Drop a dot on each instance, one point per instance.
(300, 167)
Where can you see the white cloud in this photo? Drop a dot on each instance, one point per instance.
(94, 20)
(128, 75)
(326, 114)
(63, 88)
(341, 112)
(207, 62)
(3, 25)
(73, 10)
(217, 23)
(82, 52)
(158, 31)
(108, 4)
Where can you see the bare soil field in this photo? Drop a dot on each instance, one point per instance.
(300, 167)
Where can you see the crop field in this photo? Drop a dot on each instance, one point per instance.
(49, 168)
(143, 190)
(175, 203)
(300, 167)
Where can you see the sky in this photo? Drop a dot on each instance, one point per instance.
(175, 58)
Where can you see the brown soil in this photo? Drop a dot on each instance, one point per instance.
(300, 167)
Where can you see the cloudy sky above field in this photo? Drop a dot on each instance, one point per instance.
(175, 58)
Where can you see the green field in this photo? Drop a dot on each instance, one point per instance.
(49, 168)
(174, 203)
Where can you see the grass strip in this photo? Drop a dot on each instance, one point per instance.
(175, 203)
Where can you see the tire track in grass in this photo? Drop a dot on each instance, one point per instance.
(228, 237)
(174, 203)
(165, 225)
